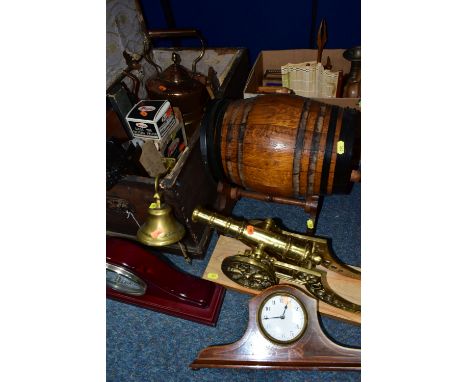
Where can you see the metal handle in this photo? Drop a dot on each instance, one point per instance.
(174, 33)
(136, 83)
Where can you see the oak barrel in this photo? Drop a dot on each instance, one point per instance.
(281, 145)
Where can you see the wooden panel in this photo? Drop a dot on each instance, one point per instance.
(344, 286)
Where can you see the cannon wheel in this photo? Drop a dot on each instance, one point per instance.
(250, 273)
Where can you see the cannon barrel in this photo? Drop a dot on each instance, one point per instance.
(261, 236)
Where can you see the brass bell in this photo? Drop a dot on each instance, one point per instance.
(160, 228)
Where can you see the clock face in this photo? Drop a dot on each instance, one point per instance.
(122, 280)
(282, 318)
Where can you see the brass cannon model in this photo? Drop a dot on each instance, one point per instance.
(277, 254)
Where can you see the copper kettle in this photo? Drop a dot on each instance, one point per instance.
(182, 89)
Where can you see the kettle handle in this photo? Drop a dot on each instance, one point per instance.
(173, 33)
(136, 83)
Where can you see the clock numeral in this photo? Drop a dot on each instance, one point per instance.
(267, 308)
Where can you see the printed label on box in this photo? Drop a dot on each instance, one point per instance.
(146, 109)
(144, 130)
(151, 119)
(176, 145)
(166, 123)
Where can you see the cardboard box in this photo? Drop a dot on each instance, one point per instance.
(172, 146)
(174, 143)
(274, 59)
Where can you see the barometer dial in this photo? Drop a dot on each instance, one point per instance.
(122, 280)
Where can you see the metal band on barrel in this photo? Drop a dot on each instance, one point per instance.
(299, 146)
(344, 163)
(314, 149)
(206, 145)
(218, 123)
(328, 150)
(331, 171)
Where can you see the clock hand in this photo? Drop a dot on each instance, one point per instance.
(284, 311)
(282, 316)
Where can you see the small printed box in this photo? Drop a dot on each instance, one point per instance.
(151, 119)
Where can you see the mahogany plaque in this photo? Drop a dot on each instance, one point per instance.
(139, 277)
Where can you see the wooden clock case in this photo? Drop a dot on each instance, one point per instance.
(314, 350)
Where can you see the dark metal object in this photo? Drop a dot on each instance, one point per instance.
(212, 80)
(115, 163)
(321, 39)
(120, 161)
(121, 101)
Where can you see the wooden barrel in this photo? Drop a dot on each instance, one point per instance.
(281, 145)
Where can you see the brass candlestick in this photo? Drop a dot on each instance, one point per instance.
(352, 88)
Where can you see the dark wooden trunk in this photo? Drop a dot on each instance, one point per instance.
(188, 185)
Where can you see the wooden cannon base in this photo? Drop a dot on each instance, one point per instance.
(346, 287)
